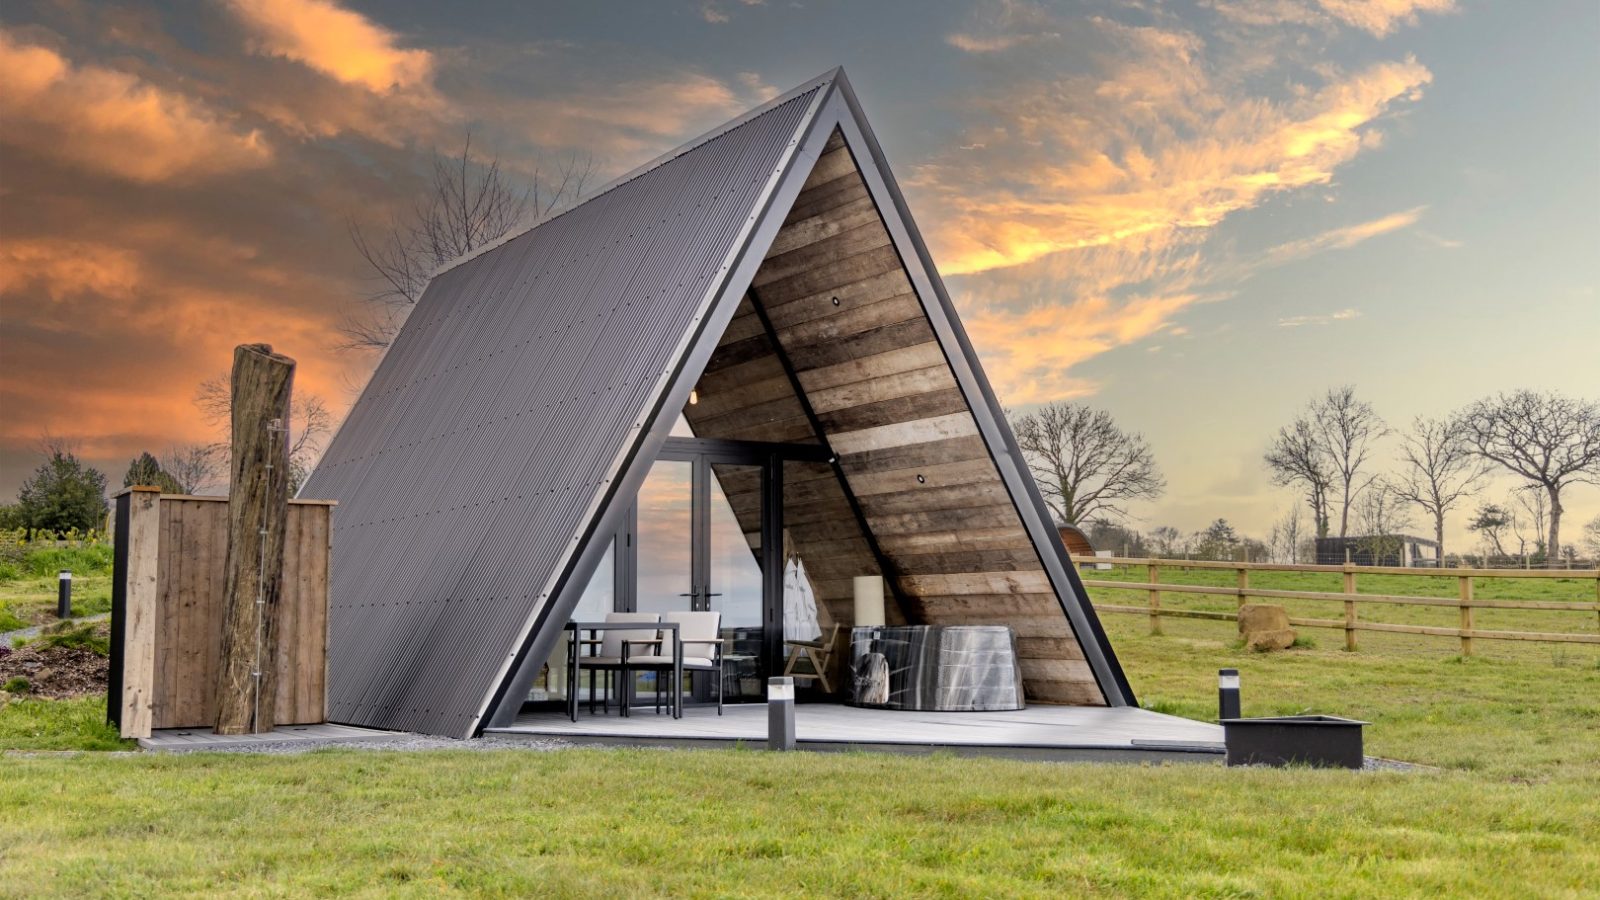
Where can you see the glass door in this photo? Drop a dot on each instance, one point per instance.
(665, 536)
(735, 584)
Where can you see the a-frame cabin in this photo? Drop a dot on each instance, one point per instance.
(520, 453)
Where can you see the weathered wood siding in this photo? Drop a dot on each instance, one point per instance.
(855, 333)
(190, 557)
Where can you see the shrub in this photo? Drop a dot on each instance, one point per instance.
(17, 685)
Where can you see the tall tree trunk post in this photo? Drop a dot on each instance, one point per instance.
(258, 512)
(1553, 550)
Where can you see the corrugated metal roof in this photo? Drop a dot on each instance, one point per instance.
(483, 442)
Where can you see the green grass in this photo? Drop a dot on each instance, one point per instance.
(32, 601)
(28, 581)
(1513, 810)
(78, 724)
(641, 823)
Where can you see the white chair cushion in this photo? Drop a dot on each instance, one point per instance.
(696, 627)
(666, 660)
(611, 639)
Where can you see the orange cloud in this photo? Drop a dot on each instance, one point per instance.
(1380, 17)
(64, 269)
(635, 119)
(341, 44)
(1347, 236)
(113, 122)
(1093, 194)
(1029, 353)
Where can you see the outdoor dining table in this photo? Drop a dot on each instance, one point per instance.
(575, 659)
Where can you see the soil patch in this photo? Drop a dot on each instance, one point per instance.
(54, 672)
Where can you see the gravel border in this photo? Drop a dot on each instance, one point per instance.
(403, 743)
(33, 631)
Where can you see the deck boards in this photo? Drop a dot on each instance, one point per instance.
(1062, 732)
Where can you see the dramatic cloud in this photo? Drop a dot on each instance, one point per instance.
(1078, 209)
(1083, 177)
(114, 123)
(340, 44)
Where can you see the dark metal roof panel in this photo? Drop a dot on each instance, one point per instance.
(478, 450)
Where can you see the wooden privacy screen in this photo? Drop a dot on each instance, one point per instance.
(167, 599)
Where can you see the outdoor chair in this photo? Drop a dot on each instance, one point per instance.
(699, 635)
(611, 645)
(815, 654)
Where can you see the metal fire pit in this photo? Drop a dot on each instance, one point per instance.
(1325, 741)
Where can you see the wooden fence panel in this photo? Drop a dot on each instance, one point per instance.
(1350, 623)
(179, 638)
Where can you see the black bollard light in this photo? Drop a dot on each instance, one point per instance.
(64, 595)
(780, 713)
(1228, 694)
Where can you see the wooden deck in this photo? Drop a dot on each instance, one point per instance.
(1114, 734)
(202, 739)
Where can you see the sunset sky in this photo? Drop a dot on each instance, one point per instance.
(1196, 215)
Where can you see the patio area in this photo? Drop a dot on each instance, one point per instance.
(1063, 733)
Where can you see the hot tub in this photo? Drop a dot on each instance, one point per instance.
(935, 667)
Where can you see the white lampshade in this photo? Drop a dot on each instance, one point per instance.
(869, 600)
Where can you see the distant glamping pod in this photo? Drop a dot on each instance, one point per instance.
(521, 456)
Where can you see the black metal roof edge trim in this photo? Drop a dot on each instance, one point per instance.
(634, 461)
(992, 424)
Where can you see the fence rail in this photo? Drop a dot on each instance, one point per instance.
(1465, 602)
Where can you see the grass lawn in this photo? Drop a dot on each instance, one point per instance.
(1513, 811)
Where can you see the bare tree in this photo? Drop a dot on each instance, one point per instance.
(1297, 459)
(1381, 518)
(1168, 542)
(1547, 439)
(310, 422)
(1347, 428)
(1086, 466)
(195, 467)
(471, 203)
(1285, 536)
(1591, 538)
(1530, 521)
(1439, 470)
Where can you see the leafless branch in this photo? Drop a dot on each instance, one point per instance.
(1438, 470)
(1085, 465)
(1549, 440)
(471, 203)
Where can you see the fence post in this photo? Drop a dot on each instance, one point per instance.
(1155, 599)
(1244, 584)
(1466, 615)
(1350, 609)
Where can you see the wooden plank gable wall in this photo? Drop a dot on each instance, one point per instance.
(834, 292)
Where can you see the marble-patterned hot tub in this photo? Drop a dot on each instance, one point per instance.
(935, 667)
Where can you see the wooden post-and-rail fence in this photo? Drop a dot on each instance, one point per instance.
(1465, 602)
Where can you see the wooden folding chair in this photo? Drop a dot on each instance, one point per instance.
(816, 654)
